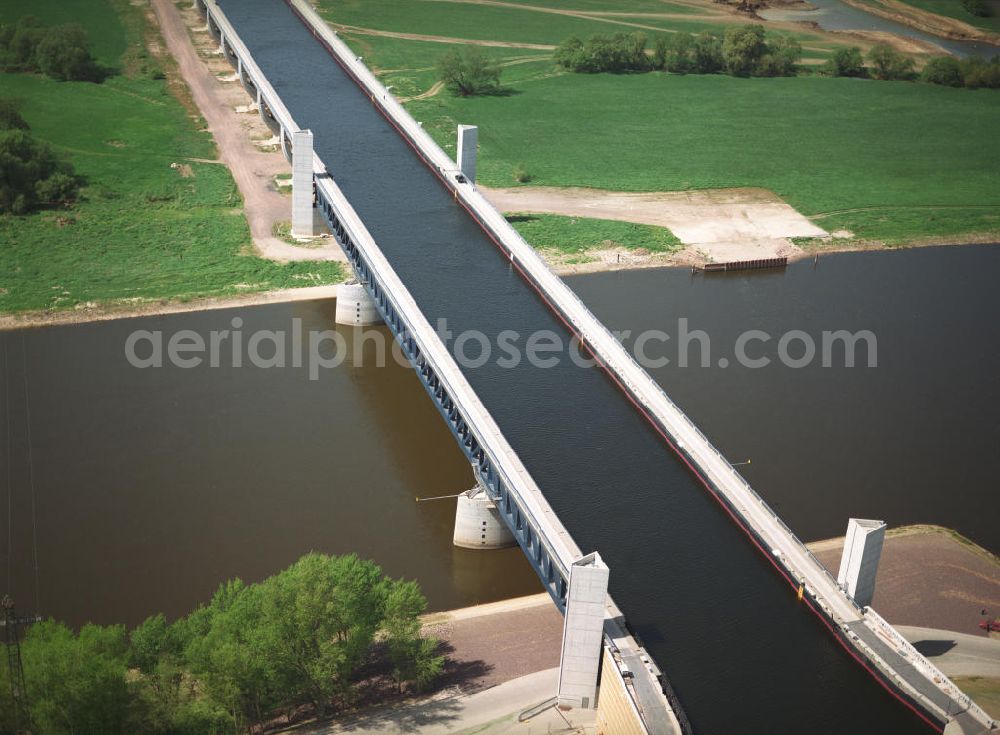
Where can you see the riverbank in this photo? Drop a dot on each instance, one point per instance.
(925, 21)
(929, 576)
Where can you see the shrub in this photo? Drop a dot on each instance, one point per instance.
(706, 56)
(743, 48)
(31, 175)
(469, 72)
(783, 53)
(521, 174)
(619, 53)
(846, 62)
(679, 53)
(60, 52)
(889, 64)
(977, 7)
(10, 118)
(944, 70)
(978, 72)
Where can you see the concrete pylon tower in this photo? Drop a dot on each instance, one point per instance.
(583, 632)
(303, 218)
(468, 148)
(859, 562)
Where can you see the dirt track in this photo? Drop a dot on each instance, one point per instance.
(253, 169)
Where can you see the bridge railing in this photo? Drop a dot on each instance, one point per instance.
(908, 651)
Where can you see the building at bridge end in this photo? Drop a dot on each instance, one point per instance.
(859, 561)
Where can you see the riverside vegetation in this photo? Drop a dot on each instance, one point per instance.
(325, 635)
(151, 214)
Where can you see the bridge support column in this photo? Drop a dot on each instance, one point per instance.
(303, 196)
(583, 632)
(355, 307)
(859, 562)
(468, 148)
(478, 524)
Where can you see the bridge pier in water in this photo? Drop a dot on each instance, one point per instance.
(478, 524)
(355, 307)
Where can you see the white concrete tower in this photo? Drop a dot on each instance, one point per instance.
(583, 632)
(303, 218)
(859, 562)
(468, 148)
(478, 524)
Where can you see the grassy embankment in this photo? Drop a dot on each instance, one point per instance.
(895, 162)
(143, 230)
(953, 9)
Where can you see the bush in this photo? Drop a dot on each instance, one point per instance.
(783, 53)
(60, 52)
(469, 72)
(977, 7)
(944, 70)
(743, 48)
(889, 64)
(521, 174)
(10, 118)
(706, 54)
(619, 53)
(846, 62)
(679, 53)
(978, 72)
(31, 175)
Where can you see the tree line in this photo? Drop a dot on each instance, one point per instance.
(741, 51)
(61, 52)
(302, 640)
(885, 63)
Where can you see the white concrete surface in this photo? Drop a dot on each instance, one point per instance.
(478, 524)
(583, 632)
(355, 307)
(859, 560)
(956, 654)
(303, 214)
(468, 150)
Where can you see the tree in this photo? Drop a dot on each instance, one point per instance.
(31, 175)
(618, 53)
(846, 62)
(742, 48)
(18, 42)
(707, 54)
(889, 64)
(77, 682)
(978, 8)
(10, 116)
(469, 72)
(414, 658)
(978, 72)
(946, 70)
(679, 53)
(779, 60)
(62, 54)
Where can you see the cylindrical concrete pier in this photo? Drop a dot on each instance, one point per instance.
(355, 307)
(478, 524)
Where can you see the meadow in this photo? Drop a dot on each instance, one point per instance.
(158, 219)
(889, 161)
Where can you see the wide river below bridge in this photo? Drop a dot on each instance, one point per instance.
(152, 486)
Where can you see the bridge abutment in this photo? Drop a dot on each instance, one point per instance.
(583, 632)
(478, 524)
(859, 562)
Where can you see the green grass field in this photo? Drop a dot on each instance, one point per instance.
(577, 235)
(825, 145)
(144, 230)
(890, 161)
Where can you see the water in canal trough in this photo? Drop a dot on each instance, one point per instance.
(151, 486)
